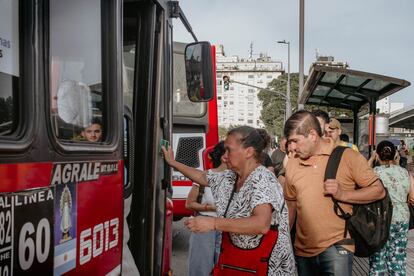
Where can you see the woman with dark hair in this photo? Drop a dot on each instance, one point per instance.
(204, 248)
(249, 205)
(391, 258)
(403, 151)
(265, 158)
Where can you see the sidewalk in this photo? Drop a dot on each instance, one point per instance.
(360, 267)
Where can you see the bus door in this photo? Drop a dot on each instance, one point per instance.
(148, 91)
(61, 165)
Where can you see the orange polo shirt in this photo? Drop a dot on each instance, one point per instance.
(317, 225)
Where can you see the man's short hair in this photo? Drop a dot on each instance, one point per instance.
(321, 114)
(301, 123)
(96, 121)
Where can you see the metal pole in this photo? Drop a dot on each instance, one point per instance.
(288, 102)
(301, 48)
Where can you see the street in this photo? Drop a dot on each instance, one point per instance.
(180, 248)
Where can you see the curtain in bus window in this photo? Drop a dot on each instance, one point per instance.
(76, 70)
(9, 64)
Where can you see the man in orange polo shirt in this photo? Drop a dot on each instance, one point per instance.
(319, 231)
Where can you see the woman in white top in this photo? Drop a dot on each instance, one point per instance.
(204, 247)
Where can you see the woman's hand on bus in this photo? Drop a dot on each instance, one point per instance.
(200, 224)
(168, 155)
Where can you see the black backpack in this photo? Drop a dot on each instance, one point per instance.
(369, 224)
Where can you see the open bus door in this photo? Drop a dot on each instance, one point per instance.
(358, 91)
(148, 86)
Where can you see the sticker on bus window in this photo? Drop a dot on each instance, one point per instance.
(9, 37)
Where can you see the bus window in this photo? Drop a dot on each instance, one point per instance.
(76, 70)
(9, 65)
(128, 74)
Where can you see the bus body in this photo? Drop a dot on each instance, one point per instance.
(195, 128)
(67, 67)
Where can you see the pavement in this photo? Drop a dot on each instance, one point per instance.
(180, 236)
(361, 268)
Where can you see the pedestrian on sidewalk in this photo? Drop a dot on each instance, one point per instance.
(392, 257)
(320, 246)
(403, 151)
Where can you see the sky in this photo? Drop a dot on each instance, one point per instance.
(370, 35)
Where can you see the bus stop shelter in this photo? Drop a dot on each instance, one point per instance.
(358, 91)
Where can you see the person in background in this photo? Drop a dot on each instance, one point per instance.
(278, 156)
(249, 200)
(344, 138)
(323, 119)
(335, 131)
(266, 160)
(204, 248)
(391, 258)
(403, 151)
(93, 133)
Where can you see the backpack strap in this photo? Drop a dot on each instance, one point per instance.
(330, 173)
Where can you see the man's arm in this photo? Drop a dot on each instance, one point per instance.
(292, 211)
(368, 194)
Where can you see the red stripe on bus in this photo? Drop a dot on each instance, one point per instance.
(23, 176)
(182, 183)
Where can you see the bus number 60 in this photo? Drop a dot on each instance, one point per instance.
(39, 247)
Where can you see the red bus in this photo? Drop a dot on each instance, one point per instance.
(85, 101)
(195, 128)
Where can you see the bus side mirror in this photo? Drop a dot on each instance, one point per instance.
(199, 71)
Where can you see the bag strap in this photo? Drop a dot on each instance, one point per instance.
(231, 196)
(200, 194)
(330, 173)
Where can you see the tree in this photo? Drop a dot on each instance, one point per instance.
(274, 106)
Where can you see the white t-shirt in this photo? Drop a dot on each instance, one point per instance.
(208, 199)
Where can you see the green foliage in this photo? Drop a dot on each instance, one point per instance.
(274, 106)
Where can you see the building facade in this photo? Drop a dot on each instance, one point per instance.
(239, 104)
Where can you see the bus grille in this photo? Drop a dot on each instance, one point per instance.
(188, 149)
